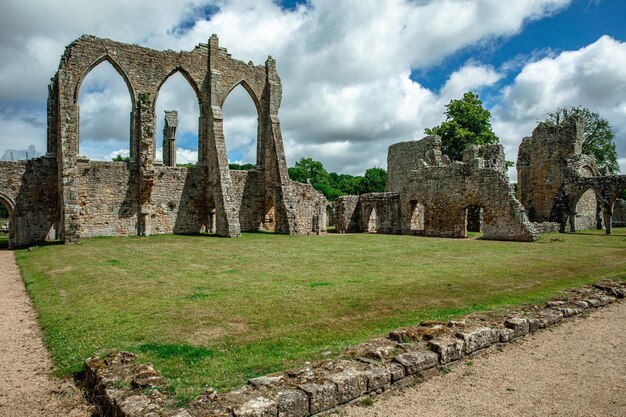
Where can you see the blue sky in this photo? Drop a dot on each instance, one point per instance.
(357, 75)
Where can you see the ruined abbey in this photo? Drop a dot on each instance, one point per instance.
(66, 196)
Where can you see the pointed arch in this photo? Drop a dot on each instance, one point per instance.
(247, 132)
(9, 203)
(97, 142)
(250, 91)
(117, 68)
(185, 74)
(176, 89)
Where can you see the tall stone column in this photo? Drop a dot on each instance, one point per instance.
(145, 136)
(169, 138)
(277, 182)
(219, 185)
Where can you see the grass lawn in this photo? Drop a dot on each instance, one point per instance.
(211, 311)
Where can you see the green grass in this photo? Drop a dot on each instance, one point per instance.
(209, 311)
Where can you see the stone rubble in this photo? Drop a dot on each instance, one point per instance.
(121, 388)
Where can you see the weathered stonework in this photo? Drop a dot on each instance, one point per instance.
(429, 195)
(82, 198)
(619, 213)
(120, 387)
(557, 183)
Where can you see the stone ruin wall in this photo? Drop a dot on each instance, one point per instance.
(619, 213)
(429, 195)
(28, 190)
(559, 184)
(82, 198)
(541, 163)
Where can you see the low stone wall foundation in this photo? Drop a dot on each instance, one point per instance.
(122, 388)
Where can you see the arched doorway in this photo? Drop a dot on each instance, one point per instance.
(7, 222)
(416, 221)
(587, 211)
(269, 218)
(474, 219)
(370, 220)
(329, 220)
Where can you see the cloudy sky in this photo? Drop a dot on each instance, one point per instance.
(358, 75)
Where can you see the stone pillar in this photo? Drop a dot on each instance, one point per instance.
(145, 136)
(572, 221)
(219, 185)
(274, 161)
(169, 138)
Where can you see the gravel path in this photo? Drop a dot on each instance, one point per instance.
(575, 369)
(26, 387)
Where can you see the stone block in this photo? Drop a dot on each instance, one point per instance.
(506, 335)
(480, 338)
(414, 362)
(535, 324)
(550, 317)
(519, 325)
(322, 397)
(258, 407)
(292, 403)
(350, 383)
(448, 349)
(569, 312)
(265, 381)
(377, 377)
(397, 372)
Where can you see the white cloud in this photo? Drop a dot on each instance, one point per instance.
(345, 68)
(593, 76)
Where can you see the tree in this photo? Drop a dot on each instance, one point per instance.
(241, 167)
(467, 123)
(120, 158)
(333, 185)
(597, 136)
(374, 180)
(308, 169)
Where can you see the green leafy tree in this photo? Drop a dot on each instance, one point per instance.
(333, 185)
(597, 136)
(374, 180)
(120, 158)
(4, 212)
(467, 122)
(241, 167)
(307, 169)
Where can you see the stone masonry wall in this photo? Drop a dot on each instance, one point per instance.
(178, 198)
(83, 198)
(424, 183)
(310, 208)
(249, 200)
(619, 213)
(348, 214)
(541, 164)
(28, 188)
(557, 183)
(107, 196)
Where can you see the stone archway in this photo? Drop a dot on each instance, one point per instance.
(417, 218)
(8, 202)
(370, 221)
(269, 218)
(474, 218)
